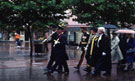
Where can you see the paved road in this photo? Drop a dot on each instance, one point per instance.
(15, 65)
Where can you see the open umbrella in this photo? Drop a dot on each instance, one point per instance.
(132, 27)
(125, 31)
(110, 26)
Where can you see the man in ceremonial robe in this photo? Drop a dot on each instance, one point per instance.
(91, 55)
(104, 54)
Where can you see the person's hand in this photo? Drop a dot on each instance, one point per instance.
(104, 54)
(77, 47)
(85, 48)
(44, 40)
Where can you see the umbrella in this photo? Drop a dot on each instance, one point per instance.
(132, 27)
(125, 31)
(110, 26)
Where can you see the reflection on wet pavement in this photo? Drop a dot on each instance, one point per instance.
(15, 65)
(36, 74)
(12, 57)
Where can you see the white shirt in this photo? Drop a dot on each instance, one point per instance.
(100, 37)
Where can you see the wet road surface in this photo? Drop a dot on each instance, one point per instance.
(16, 65)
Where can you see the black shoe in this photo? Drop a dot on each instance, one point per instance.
(60, 71)
(107, 74)
(132, 69)
(77, 68)
(66, 72)
(125, 69)
(46, 69)
(87, 69)
(95, 74)
(48, 72)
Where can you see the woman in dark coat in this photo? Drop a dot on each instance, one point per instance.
(129, 52)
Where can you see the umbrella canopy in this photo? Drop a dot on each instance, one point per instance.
(125, 31)
(133, 27)
(110, 26)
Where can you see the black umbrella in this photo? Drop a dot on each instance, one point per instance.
(110, 26)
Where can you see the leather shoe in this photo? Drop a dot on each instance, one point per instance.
(95, 74)
(87, 69)
(77, 68)
(107, 74)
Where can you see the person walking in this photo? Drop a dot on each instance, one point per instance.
(83, 43)
(104, 54)
(122, 45)
(52, 56)
(91, 53)
(60, 52)
(17, 39)
(116, 53)
(129, 53)
(46, 44)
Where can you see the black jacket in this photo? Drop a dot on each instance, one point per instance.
(84, 40)
(60, 50)
(104, 46)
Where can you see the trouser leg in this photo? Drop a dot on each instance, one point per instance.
(60, 68)
(54, 66)
(81, 60)
(65, 65)
(98, 66)
(49, 65)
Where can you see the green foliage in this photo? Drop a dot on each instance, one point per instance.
(100, 12)
(41, 13)
(17, 13)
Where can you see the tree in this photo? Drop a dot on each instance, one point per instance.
(5, 12)
(33, 13)
(100, 12)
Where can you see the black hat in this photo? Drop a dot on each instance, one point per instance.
(114, 33)
(94, 29)
(53, 26)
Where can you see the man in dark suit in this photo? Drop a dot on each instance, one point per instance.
(83, 43)
(53, 37)
(60, 52)
(104, 54)
(122, 44)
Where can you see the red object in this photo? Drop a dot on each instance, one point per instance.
(63, 31)
(84, 28)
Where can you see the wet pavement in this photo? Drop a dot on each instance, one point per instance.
(16, 65)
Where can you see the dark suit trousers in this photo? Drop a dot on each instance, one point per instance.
(82, 58)
(49, 65)
(100, 66)
(62, 64)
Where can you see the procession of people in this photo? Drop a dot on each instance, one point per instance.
(97, 48)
